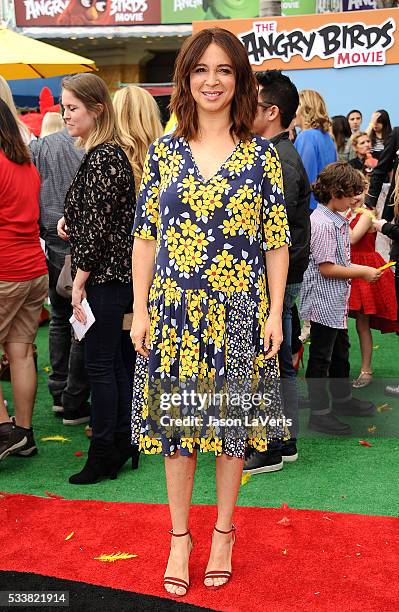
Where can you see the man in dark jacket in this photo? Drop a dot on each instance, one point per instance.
(57, 160)
(277, 105)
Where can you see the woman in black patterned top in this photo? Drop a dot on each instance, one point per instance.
(98, 221)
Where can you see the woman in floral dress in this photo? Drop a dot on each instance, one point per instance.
(210, 213)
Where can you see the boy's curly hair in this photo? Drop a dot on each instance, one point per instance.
(337, 180)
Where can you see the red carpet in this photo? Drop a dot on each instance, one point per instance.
(315, 561)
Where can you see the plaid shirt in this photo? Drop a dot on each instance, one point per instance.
(57, 160)
(325, 300)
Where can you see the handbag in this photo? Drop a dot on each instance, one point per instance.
(64, 282)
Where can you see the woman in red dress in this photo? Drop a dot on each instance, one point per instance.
(372, 304)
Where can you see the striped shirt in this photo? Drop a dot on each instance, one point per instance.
(325, 300)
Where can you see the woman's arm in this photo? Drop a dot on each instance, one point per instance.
(78, 294)
(143, 259)
(388, 229)
(361, 228)
(277, 269)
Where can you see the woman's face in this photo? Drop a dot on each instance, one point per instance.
(80, 122)
(212, 80)
(363, 146)
(378, 127)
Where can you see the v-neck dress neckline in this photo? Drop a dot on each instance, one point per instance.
(196, 167)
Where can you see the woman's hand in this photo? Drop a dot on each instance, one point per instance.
(62, 229)
(273, 335)
(78, 294)
(378, 223)
(374, 119)
(140, 333)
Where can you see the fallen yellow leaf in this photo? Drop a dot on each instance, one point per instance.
(245, 478)
(372, 429)
(384, 408)
(119, 556)
(55, 439)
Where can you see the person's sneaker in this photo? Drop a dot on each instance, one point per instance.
(329, 424)
(289, 451)
(77, 417)
(11, 438)
(258, 463)
(392, 390)
(58, 408)
(354, 407)
(29, 449)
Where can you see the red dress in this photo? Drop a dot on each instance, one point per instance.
(375, 299)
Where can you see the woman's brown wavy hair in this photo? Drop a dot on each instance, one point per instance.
(244, 103)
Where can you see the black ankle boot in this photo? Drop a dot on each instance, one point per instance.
(123, 442)
(102, 462)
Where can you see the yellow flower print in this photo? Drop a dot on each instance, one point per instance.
(213, 200)
(234, 204)
(222, 185)
(151, 207)
(241, 284)
(227, 277)
(277, 212)
(161, 150)
(245, 192)
(189, 182)
(187, 443)
(230, 227)
(243, 269)
(146, 175)
(213, 273)
(188, 340)
(200, 241)
(144, 232)
(225, 259)
(194, 258)
(188, 228)
(189, 197)
(165, 364)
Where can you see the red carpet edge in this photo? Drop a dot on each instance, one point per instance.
(284, 559)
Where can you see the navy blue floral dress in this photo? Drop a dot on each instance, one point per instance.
(208, 301)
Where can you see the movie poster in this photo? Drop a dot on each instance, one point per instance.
(87, 12)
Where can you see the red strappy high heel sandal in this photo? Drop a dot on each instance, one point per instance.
(179, 582)
(221, 573)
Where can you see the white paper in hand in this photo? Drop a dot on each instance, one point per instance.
(79, 328)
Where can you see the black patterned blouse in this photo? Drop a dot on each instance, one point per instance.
(99, 215)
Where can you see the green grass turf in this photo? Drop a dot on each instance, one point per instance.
(332, 474)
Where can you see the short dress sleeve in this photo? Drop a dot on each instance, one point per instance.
(275, 228)
(147, 210)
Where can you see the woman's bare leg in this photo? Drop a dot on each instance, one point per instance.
(365, 340)
(179, 481)
(228, 481)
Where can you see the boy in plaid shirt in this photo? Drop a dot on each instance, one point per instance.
(324, 301)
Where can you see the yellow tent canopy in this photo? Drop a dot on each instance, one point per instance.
(22, 57)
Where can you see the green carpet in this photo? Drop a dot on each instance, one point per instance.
(332, 474)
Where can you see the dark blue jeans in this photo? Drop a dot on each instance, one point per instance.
(287, 370)
(68, 382)
(110, 359)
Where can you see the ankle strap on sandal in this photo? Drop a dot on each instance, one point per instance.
(179, 535)
(225, 532)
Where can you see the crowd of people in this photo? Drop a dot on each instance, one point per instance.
(256, 211)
